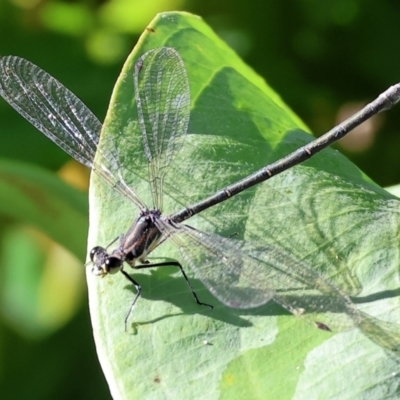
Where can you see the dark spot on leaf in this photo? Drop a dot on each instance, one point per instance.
(322, 326)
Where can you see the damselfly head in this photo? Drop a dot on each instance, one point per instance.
(103, 263)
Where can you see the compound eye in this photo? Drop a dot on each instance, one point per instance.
(113, 265)
(96, 250)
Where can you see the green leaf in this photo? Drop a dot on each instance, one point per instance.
(40, 198)
(325, 213)
(41, 285)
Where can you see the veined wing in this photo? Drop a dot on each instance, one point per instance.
(50, 107)
(246, 275)
(61, 116)
(163, 102)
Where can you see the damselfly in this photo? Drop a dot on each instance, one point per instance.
(241, 274)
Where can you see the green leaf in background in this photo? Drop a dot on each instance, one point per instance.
(325, 213)
(42, 199)
(41, 285)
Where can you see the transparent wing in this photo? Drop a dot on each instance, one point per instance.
(246, 275)
(50, 107)
(61, 116)
(163, 102)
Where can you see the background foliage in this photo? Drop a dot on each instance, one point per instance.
(321, 57)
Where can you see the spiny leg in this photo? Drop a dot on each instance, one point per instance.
(138, 293)
(117, 238)
(176, 264)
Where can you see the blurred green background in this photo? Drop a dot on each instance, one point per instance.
(326, 59)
